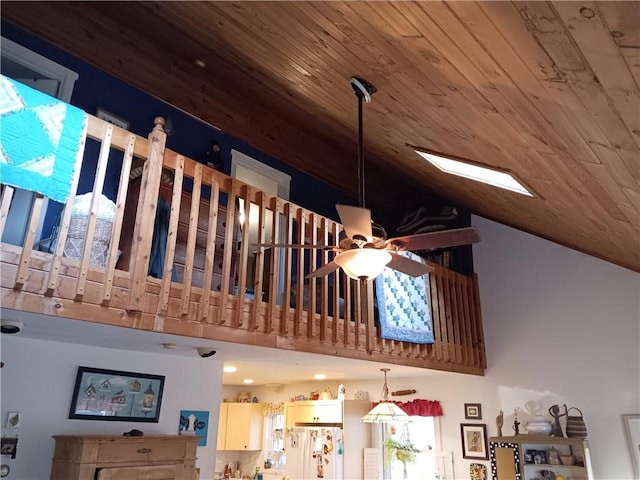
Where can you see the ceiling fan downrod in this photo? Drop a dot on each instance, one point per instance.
(363, 90)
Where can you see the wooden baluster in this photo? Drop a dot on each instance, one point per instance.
(367, 297)
(25, 254)
(258, 263)
(172, 236)
(275, 205)
(194, 218)
(288, 266)
(123, 188)
(302, 220)
(98, 185)
(348, 307)
(358, 314)
(335, 228)
(313, 264)
(65, 218)
(5, 203)
(244, 254)
(324, 281)
(229, 253)
(210, 252)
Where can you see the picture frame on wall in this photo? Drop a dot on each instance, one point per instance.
(631, 423)
(474, 441)
(472, 411)
(114, 395)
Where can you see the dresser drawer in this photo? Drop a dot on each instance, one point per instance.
(140, 451)
(157, 472)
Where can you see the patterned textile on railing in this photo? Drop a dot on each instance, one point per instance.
(40, 140)
(403, 304)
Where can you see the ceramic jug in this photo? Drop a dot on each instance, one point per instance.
(553, 456)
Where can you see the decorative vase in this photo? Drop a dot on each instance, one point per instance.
(538, 426)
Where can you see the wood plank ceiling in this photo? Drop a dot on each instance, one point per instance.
(546, 90)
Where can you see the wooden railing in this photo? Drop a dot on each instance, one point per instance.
(241, 293)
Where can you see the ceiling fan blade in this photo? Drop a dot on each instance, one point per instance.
(296, 245)
(355, 220)
(408, 266)
(439, 239)
(324, 270)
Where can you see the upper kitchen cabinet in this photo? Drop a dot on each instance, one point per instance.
(240, 426)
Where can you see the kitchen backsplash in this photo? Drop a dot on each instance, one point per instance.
(248, 461)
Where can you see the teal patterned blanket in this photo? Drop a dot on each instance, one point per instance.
(403, 305)
(41, 140)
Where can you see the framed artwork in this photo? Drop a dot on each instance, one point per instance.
(194, 422)
(117, 396)
(13, 420)
(472, 411)
(507, 456)
(474, 441)
(477, 471)
(632, 432)
(9, 446)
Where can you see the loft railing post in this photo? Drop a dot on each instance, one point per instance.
(145, 215)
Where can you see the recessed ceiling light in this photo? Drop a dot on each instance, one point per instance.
(229, 369)
(475, 172)
(320, 376)
(247, 381)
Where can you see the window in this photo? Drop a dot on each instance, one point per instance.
(419, 432)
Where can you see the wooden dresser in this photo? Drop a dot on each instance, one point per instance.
(182, 234)
(109, 457)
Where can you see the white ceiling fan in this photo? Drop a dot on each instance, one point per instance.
(363, 250)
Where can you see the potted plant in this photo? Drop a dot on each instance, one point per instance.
(404, 452)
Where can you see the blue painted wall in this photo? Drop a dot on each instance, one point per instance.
(191, 137)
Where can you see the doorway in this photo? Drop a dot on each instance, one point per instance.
(268, 180)
(40, 73)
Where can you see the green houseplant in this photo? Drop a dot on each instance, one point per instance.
(404, 452)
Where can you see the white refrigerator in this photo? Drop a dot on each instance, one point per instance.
(314, 452)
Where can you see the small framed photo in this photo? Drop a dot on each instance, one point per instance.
(472, 411)
(474, 441)
(9, 446)
(13, 419)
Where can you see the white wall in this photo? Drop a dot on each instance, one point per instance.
(563, 327)
(38, 379)
(559, 326)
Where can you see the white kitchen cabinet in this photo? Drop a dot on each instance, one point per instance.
(240, 426)
(313, 411)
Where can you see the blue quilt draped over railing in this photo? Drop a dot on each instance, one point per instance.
(403, 305)
(41, 140)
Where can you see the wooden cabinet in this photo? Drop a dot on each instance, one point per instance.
(313, 411)
(524, 457)
(199, 254)
(240, 426)
(106, 457)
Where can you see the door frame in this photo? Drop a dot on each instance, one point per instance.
(23, 199)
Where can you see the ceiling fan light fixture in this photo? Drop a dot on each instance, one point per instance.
(363, 263)
(468, 170)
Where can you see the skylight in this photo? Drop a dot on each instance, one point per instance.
(475, 172)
